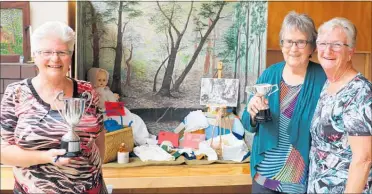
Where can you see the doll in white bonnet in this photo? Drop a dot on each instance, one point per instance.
(99, 79)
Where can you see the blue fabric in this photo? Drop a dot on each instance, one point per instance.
(267, 134)
(237, 129)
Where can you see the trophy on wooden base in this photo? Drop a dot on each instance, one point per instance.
(72, 111)
(263, 91)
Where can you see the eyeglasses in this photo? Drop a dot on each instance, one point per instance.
(289, 43)
(336, 46)
(48, 54)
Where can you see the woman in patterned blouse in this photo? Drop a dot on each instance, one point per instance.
(31, 128)
(341, 147)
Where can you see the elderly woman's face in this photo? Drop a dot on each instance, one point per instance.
(293, 55)
(53, 58)
(336, 55)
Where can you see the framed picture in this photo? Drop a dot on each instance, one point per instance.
(219, 92)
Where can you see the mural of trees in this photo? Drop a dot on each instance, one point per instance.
(209, 11)
(175, 42)
(94, 21)
(157, 52)
(244, 43)
(120, 14)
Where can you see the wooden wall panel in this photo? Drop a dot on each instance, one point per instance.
(357, 12)
(360, 13)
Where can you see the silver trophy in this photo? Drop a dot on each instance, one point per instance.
(72, 111)
(263, 91)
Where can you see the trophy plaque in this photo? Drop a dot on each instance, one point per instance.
(72, 111)
(263, 91)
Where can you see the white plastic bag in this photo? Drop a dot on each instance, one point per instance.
(195, 120)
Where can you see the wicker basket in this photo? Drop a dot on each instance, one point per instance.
(113, 141)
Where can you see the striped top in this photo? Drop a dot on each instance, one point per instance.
(283, 168)
(28, 122)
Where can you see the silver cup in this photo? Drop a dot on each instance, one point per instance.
(72, 111)
(263, 91)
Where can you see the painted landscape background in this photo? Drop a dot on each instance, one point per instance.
(157, 52)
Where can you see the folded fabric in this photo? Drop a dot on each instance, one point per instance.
(205, 148)
(232, 148)
(152, 152)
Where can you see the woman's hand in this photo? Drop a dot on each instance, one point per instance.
(53, 156)
(16, 156)
(256, 104)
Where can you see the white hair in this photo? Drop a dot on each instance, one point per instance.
(301, 22)
(53, 29)
(346, 25)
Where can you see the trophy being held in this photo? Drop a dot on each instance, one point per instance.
(72, 111)
(263, 91)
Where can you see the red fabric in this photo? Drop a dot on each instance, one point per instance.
(114, 108)
(168, 136)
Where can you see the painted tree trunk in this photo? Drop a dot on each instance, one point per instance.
(247, 46)
(180, 79)
(214, 62)
(116, 82)
(129, 68)
(96, 37)
(259, 55)
(207, 61)
(237, 55)
(167, 80)
(157, 73)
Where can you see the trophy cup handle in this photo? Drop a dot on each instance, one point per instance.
(89, 97)
(276, 89)
(59, 97)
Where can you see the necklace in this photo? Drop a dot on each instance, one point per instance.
(337, 79)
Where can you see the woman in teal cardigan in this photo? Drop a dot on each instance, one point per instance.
(280, 151)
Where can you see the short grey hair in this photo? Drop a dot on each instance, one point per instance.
(53, 29)
(301, 22)
(346, 25)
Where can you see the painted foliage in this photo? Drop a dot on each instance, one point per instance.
(157, 52)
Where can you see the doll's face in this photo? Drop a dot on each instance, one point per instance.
(101, 79)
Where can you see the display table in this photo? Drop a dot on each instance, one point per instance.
(163, 176)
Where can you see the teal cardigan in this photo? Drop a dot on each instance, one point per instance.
(267, 134)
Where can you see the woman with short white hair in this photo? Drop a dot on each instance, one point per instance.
(31, 127)
(280, 151)
(341, 131)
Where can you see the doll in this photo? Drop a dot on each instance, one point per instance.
(99, 79)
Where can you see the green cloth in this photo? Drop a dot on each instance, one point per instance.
(267, 134)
